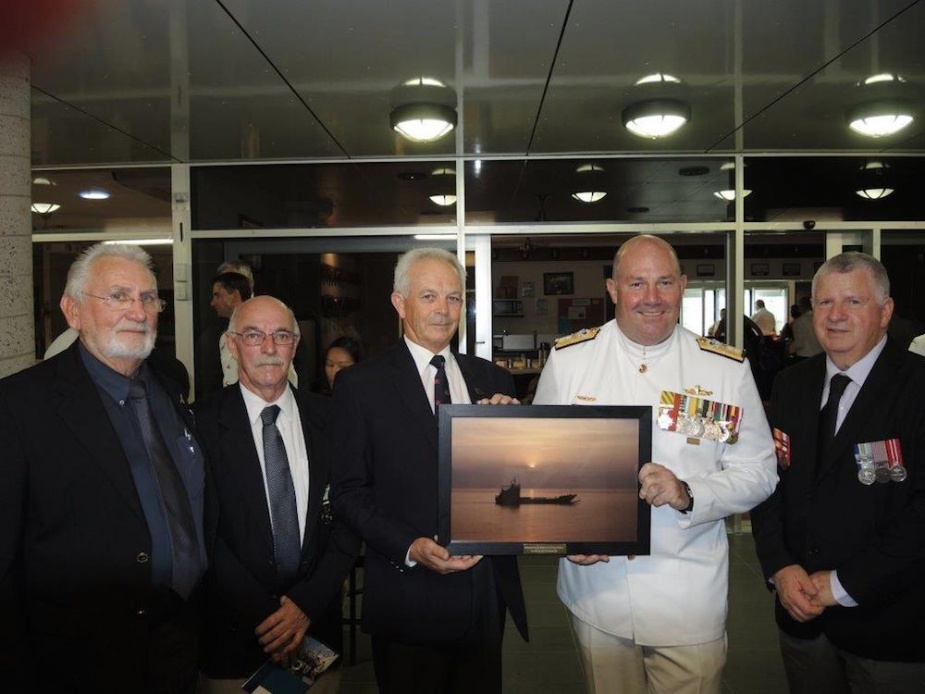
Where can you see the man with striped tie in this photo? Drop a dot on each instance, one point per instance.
(436, 620)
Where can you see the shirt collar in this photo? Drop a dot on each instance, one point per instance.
(860, 370)
(112, 382)
(422, 355)
(255, 404)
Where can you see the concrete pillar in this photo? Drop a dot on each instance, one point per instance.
(17, 325)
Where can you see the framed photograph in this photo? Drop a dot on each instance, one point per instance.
(558, 283)
(791, 270)
(760, 269)
(706, 270)
(527, 289)
(543, 479)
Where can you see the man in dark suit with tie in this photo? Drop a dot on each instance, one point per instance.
(436, 620)
(842, 539)
(280, 556)
(102, 533)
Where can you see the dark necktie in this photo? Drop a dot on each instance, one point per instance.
(287, 547)
(441, 384)
(186, 563)
(828, 416)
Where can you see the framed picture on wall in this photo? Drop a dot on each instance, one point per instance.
(706, 270)
(558, 283)
(760, 269)
(791, 270)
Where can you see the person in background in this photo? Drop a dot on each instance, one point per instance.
(102, 524)
(657, 623)
(214, 366)
(342, 353)
(280, 556)
(805, 343)
(436, 620)
(842, 539)
(764, 319)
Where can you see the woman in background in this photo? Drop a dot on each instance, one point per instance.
(341, 353)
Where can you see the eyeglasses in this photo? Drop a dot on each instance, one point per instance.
(255, 338)
(123, 301)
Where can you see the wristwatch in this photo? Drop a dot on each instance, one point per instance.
(690, 495)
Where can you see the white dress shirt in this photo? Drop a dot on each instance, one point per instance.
(290, 427)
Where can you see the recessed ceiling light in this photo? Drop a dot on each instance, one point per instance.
(94, 194)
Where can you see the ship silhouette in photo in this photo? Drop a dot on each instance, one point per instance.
(510, 496)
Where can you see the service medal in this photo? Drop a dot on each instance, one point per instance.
(882, 474)
(867, 476)
(898, 473)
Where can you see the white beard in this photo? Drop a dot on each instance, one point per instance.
(115, 349)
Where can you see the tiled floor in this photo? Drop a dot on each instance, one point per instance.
(550, 664)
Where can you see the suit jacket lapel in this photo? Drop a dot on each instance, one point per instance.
(239, 456)
(82, 410)
(411, 392)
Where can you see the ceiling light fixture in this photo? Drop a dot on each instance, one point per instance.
(443, 200)
(45, 208)
(880, 118)
(589, 195)
(874, 193)
(423, 109)
(42, 181)
(94, 194)
(656, 118)
(591, 180)
(730, 195)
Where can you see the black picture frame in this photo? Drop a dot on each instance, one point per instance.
(578, 465)
(706, 270)
(558, 283)
(790, 269)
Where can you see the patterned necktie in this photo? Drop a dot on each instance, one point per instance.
(441, 384)
(287, 547)
(828, 416)
(186, 563)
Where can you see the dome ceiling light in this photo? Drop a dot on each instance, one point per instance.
(45, 208)
(443, 200)
(883, 112)
(590, 181)
(94, 194)
(730, 195)
(656, 118)
(874, 184)
(423, 109)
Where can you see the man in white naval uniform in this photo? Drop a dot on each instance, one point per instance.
(657, 623)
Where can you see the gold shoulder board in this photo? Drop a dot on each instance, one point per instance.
(582, 335)
(710, 345)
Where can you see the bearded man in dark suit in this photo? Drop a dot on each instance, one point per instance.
(842, 539)
(436, 620)
(102, 526)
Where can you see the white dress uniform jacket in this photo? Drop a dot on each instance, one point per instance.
(675, 596)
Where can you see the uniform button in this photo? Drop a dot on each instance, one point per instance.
(141, 612)
(142, 557)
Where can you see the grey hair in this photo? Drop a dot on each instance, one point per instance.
(81, 269)
(402, 284)
(295, 324)
(624, 249)
(851, 261)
